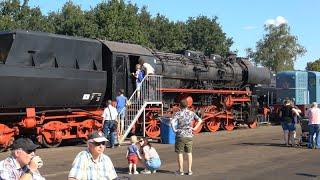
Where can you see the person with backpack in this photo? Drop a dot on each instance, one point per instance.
(286, 115)
(109, 115)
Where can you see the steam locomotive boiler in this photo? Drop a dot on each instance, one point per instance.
(54, 87)
(195, 71)
(217, 88)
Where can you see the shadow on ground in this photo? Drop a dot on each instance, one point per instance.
(268, 144)
(121, 170)
(307, 175)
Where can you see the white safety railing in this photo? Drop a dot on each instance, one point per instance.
(147, 94)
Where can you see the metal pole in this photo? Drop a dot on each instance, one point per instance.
(144, 122)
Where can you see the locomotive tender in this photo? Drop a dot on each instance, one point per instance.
(53, 87)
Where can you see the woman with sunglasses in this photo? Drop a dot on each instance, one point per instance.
(152, 159)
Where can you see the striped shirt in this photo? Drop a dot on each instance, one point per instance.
(85, 168)
(10, 169)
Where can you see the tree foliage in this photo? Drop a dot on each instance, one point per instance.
(206, 35)
(15, 15)
(117, 20)
(313, 66)
(278, 49)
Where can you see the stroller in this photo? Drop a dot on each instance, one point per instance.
(304, 132)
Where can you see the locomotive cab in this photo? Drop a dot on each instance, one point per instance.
(120, 60)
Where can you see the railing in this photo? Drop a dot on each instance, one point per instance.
(147, 94)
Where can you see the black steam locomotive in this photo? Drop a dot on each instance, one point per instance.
(46, 75)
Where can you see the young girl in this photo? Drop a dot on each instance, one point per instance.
(133, 155)
(152, 159)
(139, 75)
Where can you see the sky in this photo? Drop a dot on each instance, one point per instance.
(242, 20)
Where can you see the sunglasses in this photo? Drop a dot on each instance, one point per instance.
(98, 143)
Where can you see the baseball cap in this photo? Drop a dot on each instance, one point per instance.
(25, 144)
(97, 136)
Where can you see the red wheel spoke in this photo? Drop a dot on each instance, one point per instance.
(152, 128)
(212, 124)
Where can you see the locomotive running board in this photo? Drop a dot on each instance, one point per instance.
(205, 91)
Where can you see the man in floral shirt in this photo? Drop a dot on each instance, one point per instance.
(182, 126)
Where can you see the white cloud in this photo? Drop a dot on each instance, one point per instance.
(276, 22)
(249, 27)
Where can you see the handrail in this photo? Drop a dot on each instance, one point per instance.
(148, 93)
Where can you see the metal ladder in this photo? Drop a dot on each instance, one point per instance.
(147, 94)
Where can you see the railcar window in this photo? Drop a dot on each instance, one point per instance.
(119, 63)
(2, 58)
(5, 45)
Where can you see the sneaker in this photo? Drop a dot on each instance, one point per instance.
(190, 173)
(136, 172)
(129, 173)
(154, 171)
(145, 172)
(179, 173)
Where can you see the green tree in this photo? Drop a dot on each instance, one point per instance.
(313, 66)
(15, 15)
(73, 21)
(118, 21)
(165, 35)
(146, 23)
(278, 50)
(206, 35)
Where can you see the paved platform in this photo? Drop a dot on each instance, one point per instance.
(239, 154)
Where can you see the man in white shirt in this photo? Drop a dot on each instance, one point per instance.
(109, 122)
(149, 70)
(150, 80)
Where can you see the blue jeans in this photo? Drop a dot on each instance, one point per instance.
(107, 131)
(153, 164)
(314, 129)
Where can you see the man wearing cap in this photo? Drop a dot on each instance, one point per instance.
(22, 164)
(92, 164)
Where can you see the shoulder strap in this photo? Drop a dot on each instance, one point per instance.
(110, 113)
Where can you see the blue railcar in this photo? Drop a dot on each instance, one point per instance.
(293, 85)
(314, 86)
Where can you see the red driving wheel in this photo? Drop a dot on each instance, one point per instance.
(153, 128)
(212, 124)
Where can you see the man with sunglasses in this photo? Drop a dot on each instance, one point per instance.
(22, 164)
(92, 163)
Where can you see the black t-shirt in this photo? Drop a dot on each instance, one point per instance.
(286, 114)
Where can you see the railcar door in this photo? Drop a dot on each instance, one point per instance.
(120, 75)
